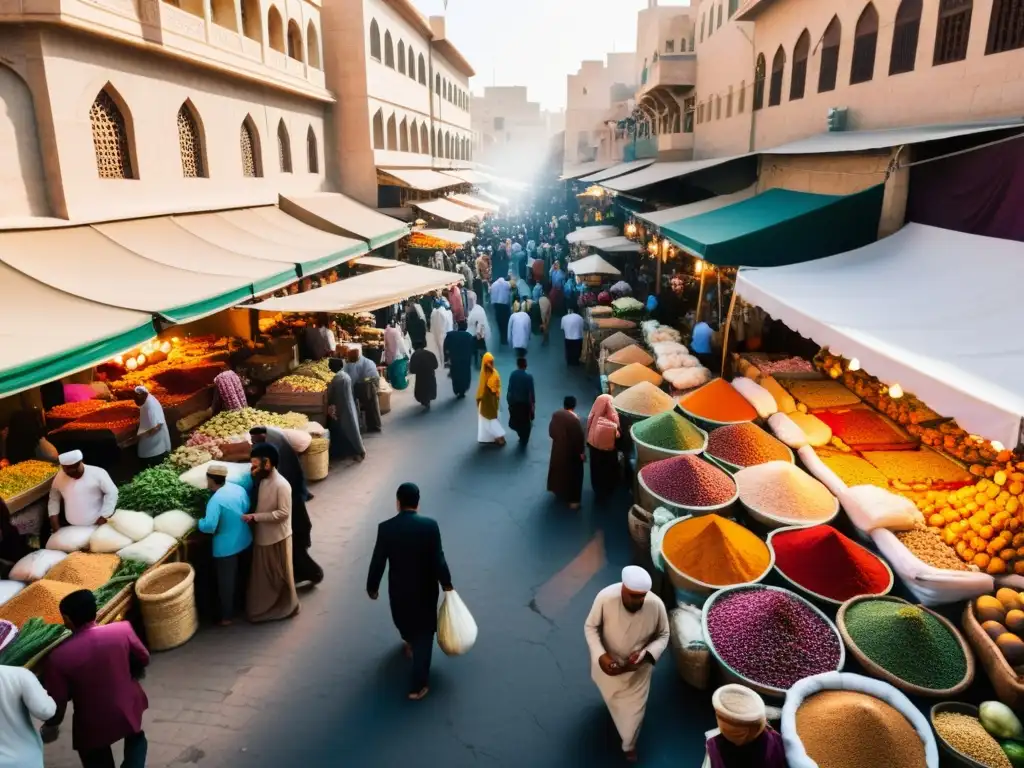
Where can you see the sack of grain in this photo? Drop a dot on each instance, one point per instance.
(196, 477)
(135, 525)
(71, 538)
(787, 431)
(870, 507)
(35, 565)
(456, 627)
(298, 439)
(9, 588)
(756, 395)
(174, 523)
(693, 659)
(688, 378)
(107, 539)
(150, 550)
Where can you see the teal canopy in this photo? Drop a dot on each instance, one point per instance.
(779, 227)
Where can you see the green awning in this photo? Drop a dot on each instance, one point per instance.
(779, 227)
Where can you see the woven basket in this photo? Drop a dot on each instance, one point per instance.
(316, 458)
(1008, 685)
(640, 522)
(168, 602)
(875, 670)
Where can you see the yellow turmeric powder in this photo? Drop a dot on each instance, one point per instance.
(716, 551)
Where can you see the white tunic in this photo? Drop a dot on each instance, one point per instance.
(151, 413)
(611, 629)
(22, 697)
(86, 499)
(519, 328)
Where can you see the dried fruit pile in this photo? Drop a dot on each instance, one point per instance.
(25, 475)
(745, 445)
(823, 393)
(295, 383)
(862, 428)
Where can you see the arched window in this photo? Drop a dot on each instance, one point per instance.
(414, 138)
(438, 145)
(719, 24)
(421, 69)
(743, 96)
(275, 29)
(110, 138)
(312, 156)
(189, 143)
(702, 27)
(249, 139)
(284, 148)
(392, 133)
(801, 52)
(447, 145)
(389, 50)
(904, 37)
(252, 20)
(733, 7)
(378, 130)
(424, 140)
(412, 64)
(865, 44)
(437, 84)
(403, 136)
(1005, 26)
(778, 71)
(294, 41)
(374, 40)
(312, 46)
(718, 110)
(401, 56)
(759, 75)
(953, 32)
(222, 12)
(830, 56)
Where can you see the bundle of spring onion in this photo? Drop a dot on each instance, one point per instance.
(35, 636)
(127, 573)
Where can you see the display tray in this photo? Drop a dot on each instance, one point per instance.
(757, 359)
(25, 498)
(924, 466)
(864, 429)
(199, 400)
(818, 394)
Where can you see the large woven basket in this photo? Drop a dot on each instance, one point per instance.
(316, 458)
(168, 602)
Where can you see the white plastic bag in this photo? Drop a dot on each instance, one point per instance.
(174, 523)
(756, 395)
(196, 477)
(135, 525)
(71, 538)
(456, 627)
(870, 507)
(150, 549)
(787, 431)
(107, 540)
(9, 589)
(662, 517)
(35, 565)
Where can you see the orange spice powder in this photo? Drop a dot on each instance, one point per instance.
(719, 401)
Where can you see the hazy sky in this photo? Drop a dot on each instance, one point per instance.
(536, 43)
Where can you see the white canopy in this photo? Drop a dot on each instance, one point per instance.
(598, 232)
(474, 202)
(617, 244)
(447, 210)
(592, 265)
(423, 179)
(928, 308)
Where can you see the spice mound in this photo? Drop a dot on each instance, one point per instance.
(907, 642)
(617, 341)
(718, 401)
(849, 729)
(772, 637)
(633, 374)
(644, 399)
(785, 492)
(670, 432)
(25, 475)
(746, 445)
(688, 481)
(968, 735)
(823, 560)
(634, 353)
(928, 547)
(853, 470)
(716, 551)
(84, 569)
(40, 598)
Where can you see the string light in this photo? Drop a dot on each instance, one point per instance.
(119, 360)
(895, 391)
(698, 266)
(140, 360)
(854, 364)
(130, 364)
(165, 347)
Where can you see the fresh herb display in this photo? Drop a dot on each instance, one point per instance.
(35, 635)
(158, 490)
(127, 573)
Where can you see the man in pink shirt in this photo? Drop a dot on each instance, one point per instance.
(97, 670)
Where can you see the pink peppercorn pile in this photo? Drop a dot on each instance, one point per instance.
(688, 481)
(746, 445)
(772, 638)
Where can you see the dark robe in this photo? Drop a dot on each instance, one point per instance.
(423, 365)
(766, 751)
(417, 328)
(459, 347)
(521, 404)
(565, 470)
(346, 441)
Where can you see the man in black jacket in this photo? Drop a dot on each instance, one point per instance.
(411, 544)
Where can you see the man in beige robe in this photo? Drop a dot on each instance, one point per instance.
(627, 631)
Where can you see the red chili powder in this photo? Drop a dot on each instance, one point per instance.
(825, 561)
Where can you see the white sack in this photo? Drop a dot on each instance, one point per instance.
(196, 477)
(174, 523)
(135, 525)
(687, 378)
(150, 549)
(822, 471)
(315, 429)
(298, 439)
(818, 433)
(756, 395)
(787, 431)
(669, 348)
(9, 588)
(35, 565)
(107, 540)
(456, 628)
(870, 507)
(71, 538)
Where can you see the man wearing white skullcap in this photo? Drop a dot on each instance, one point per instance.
(153, 438)
(88, 493)
(627, 631)
(744, 739)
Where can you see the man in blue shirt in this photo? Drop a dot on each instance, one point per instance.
(231, 535)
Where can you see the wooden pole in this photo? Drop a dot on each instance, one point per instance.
(657, 278)
(725, 334)
(700, 294)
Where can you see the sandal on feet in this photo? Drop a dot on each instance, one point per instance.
(419, 695)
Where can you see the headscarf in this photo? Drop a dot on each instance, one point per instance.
(602, 407)
(489, 378)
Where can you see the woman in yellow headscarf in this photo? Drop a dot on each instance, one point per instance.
(488, 399)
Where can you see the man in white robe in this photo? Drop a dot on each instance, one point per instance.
(88, 494)
(627, 631)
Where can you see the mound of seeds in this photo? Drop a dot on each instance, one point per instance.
(929, 548)
(40, 598)
(907, 642)
(967, 734)
(85, 569)
(633, 374)
(670, 432)
(785, 491)
(771, 637)
(617, 341)
(746, 445)
(634, 353)
(688, 481)
(644, 399)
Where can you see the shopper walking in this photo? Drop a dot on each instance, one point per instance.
(415, 324)
(365, 382)
(343, 419)
(410, 545)
(565, 468)
(22, 698)
(480, 329)
(572, 329)
(396, 356)
(522, 402)
(423, 366)
(603, 432)
(544, 304)
(519, 329)
(627, 631)
(488, 400)
(459, 348)
(225, 511)
(97, 670)
(501, 297)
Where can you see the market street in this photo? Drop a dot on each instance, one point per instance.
(328, 688)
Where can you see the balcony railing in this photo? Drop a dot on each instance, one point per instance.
(677, 70)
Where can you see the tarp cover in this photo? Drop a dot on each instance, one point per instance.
(668, 215)
(376, 262)
(598, 232)
(780, 226)
(928, 308)
(46, 334)
(449, 211)
(422, 179)
(344, 216)
(617, 170)
(364, 293)
(617, 244)
(592, 265)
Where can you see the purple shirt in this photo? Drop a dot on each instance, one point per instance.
(92, 670)
(766, 751)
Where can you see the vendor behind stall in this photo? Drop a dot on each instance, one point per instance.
(26, 438)
(88, 493)
(153, 438)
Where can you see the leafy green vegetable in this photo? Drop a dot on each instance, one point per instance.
(35, 636)
(127, 573)
(158, 490)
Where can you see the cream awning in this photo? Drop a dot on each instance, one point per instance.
(617, 170)
(375, 262)
(342, 215)
(596, 232)
(668, 215)
(449, 211)
(422, 179)
(451, 235)
(617, 244)
(592, 265)
(364, 293)
(469, 177)
(659, 172)
(493, 197)
(574, 172)
(474, 202)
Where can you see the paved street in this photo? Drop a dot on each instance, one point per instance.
(328, 688)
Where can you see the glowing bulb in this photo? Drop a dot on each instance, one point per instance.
(147, 349)
(895, 391)
(997, 446)
(854, 364)
(119, 360)
(698, 266)
(165, 347)
(131, 365)
(174, 339)
(631, 229)
(140, 360)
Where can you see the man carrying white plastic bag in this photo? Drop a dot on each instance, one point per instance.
(456, 628)
(411, 544)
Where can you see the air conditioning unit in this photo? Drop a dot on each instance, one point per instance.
(836, 119)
